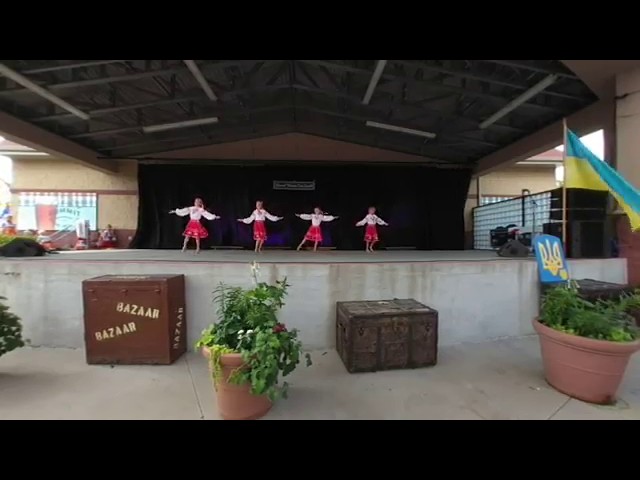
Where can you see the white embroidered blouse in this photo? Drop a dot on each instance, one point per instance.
(108, 235)
(195, 213)
(371, 220)
(316, 220)
(260, 216)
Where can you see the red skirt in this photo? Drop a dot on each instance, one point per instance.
(371, 233)
(195, 230)
(314, 234)
(259, 230)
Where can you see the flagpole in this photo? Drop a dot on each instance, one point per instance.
(564, 183)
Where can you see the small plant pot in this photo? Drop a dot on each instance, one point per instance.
(236, 402)
(583, 368)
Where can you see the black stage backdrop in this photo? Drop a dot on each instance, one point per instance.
(424, 206)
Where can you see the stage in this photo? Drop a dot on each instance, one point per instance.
(273, 256)
(479, 295)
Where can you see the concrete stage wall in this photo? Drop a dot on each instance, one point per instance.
(477, 300)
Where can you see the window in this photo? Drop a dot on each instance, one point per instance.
(534, 210)
(56, 211)
(486, 200)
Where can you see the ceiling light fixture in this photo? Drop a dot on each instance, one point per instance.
(202, 81)
(519, 100)
(373, 83)
(186, 124)
(24, 153)
(395, 128)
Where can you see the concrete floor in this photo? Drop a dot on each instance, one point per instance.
(494, 381)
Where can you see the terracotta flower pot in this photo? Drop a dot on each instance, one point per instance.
(583, 368)
(236, 402)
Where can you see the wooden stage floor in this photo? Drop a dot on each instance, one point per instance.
(270, 256)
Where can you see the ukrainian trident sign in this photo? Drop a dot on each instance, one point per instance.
(552, 264)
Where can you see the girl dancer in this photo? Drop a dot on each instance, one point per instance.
(314, 234)
(194, 228)
(371, 232)
(258, 217)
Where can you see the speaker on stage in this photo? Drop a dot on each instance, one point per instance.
(22, 247)
(513, 248)
(585, 239)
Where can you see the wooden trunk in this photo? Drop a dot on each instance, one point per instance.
(386, 334)
(134, 319)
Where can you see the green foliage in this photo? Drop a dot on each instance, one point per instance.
(249, 325)
(10, 330)
(216, 352)
(564, 310)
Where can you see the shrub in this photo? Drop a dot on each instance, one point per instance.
(10, 330)
(563, 309)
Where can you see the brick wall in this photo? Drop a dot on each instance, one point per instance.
(630, 249)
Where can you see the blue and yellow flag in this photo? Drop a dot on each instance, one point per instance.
(585, 170)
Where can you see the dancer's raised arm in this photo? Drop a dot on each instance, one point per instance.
(181, 212)
(249, 219)
(209, 216)
(362, 222)
(380, 221)
(273, 218)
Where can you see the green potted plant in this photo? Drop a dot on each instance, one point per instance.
(10, 330)
(249, 349)
(586, 345)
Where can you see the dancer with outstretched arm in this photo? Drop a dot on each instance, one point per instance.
(371, 231)
(258, 217)
(314, 234)
(194, 229)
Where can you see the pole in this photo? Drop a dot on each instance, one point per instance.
(564, 184)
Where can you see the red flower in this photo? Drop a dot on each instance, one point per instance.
(279, 328)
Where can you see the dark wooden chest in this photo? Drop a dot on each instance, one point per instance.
(134, 319)
(386, 334)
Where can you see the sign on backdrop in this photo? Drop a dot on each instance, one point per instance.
(294, 185)
(54, 217)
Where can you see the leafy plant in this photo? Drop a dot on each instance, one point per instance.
(10, 330)
(563, 309)
(249, 325)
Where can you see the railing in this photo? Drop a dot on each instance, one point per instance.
(62, 232)
(529, 212)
